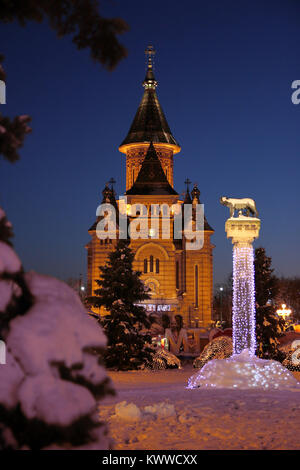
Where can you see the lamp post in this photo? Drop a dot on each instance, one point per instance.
(284, 312)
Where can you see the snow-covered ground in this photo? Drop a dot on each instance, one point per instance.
(198, 419)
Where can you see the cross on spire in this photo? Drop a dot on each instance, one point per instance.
(150, 83)
(187, 182)
(112, 181)
(150, 53)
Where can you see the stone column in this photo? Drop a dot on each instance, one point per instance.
(243, 231)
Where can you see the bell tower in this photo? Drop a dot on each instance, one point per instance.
(149, 125)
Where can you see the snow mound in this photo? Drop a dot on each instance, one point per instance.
(131, 412)
(161, 410)
(244, 371)
(127, 411)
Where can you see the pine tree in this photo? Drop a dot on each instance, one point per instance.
(52, 381)
(120, 291)
(269, 326)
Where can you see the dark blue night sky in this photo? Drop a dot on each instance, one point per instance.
(224, 70)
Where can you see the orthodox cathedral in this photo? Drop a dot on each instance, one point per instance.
(180, 279)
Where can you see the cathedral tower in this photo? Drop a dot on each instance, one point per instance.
(149, 125)
(180, 279)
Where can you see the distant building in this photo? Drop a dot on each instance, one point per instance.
(181, 280)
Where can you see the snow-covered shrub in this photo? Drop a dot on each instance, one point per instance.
(218, 348)
(292, 357)
(244, 371)
(164, 359)
(52, 379)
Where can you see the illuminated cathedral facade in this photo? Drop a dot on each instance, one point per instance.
(180, 279)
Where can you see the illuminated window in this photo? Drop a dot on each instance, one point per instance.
(177, 275)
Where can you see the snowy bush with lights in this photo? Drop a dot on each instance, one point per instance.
(52, 379)
(292, 359)
(164, 359)
(218, 348)
(244, 371)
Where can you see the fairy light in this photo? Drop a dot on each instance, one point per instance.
(243, 309)
(244, 371)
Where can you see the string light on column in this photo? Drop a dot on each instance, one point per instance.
(243, 310)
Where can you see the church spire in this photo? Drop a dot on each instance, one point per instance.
(149, 123)
(187, 197)
(150, 81)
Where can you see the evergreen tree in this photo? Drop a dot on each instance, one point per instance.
(52, 380)
(269, 326)
(120, 291)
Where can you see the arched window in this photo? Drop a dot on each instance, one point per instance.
(157, 265)
(151, 264)
(145, 265)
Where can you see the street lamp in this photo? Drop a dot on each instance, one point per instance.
(284, 312)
